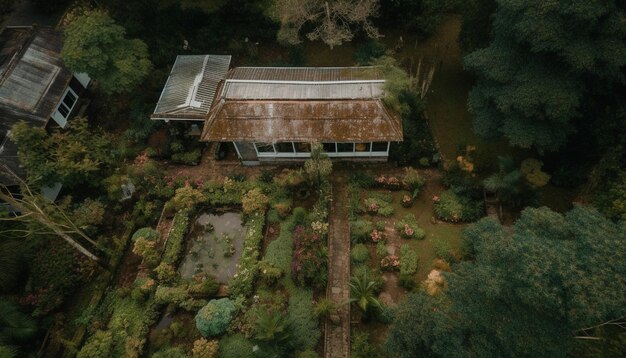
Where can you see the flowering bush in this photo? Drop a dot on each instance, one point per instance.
(360, 230)
(319, 227)
(407, 228)
(391, 182)
(254, 201)
(379, 204)
(377, 236)
(455, 208)
(203, 348)
(309, 264)
(390, 263)
(407, 201)
(412, 180)
(242, 282)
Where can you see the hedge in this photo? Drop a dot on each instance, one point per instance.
(242, 283)
(176, 238)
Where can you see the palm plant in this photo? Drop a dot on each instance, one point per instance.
(271, 327)
(363, 292)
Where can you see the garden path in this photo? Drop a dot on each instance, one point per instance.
(337, 340)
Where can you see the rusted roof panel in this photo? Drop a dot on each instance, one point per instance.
(191, 86)
(303, 90)
(363, 73)
(306, 121)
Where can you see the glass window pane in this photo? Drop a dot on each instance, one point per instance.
(379, 147)
(362, 147)
(264, 147)
(345, 147)
(285, 147)
(329, 147)
(63, 110)
(69, 99)
(303, 147)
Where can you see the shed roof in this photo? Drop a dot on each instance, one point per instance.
(32, 81)
(191, 87)
(271, 104)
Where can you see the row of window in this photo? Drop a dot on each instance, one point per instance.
(301, 147)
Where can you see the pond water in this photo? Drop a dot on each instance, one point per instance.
(214, 246)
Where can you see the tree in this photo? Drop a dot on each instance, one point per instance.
(74, 156)
(319, 166)
(95, 44)
(40, 217)
(541, 65)
(528, 292)
(331, 20)
(476, 30)
(213, 318)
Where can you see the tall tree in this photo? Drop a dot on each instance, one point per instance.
(95, 44)
(544, 59)
(332, 21)
(530, 291)
(74, 156)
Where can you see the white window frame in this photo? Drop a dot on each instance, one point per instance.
(296, 154)
(57, 115)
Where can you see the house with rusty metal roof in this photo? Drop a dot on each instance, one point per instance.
(35, 86)
(273, 114)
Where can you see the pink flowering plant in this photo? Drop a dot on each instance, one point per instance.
(407, 228)
(377, 236)
(388, 182)
(390, 263)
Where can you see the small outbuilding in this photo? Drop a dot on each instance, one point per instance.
(273, 114)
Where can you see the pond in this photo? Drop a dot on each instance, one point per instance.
(214, 246)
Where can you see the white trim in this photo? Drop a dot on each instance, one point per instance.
(237, 150)
(4, 141)
(305, 82)
(83, 78)
(57, 116)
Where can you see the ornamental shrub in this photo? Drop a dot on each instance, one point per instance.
(170, 352)
(185, 199)
(147, 250)
(166, 273)
(269, 272)
(408, 228)
(176, 238)
(171, 295)
(408, 260)
(213, 318)
(147, 233)
(235, 346)
(254, 201)
(203, 348)
(360, 230)
(203, 284)
(99, 345)
(242, 283)
(412, 181)
(359, 253)
(457, 208)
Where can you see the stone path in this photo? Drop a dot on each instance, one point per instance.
(337, 340)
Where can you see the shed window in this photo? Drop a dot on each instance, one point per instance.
(68, 102)
(303, 147)
(285, 147)
(329, 147)
(345, 147)
(379, 146)
(362, 147)
(264, 147)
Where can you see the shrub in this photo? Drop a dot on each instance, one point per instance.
(443, 250)
(408, 228)
(368, 51)
(361, 346)
(203, 348)
(242, 283)
(381, 249)
(254, 201)
(390, 263)
(142, 288)
(407, 281)
(235, 346)
(354, 201)
(299, 216)
(166, 273)
(290, 178)
(456, 208)
(203, 284)
(273, 217)
(213, 318)
(379, 204)
(309, 263)
(99, 345)
(89, 212)
(362, 180)
(391, 182)
(187, 158)
(283, 209)
(185, 199)
(380, 225)
(147, 250)
(171, 295)
(175, 241)
(412, 181)
(324, 308)
(360, 230)
(377, 236)
(309, 353)
(359, 253)
(147, 233)
(408, 260)
(170, 352)
(269, 272)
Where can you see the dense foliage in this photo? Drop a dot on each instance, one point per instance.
(213, 318)
(528, 291)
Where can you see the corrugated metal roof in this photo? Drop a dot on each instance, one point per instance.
(306, 121)
(191, 86)
(305, 90)
(32, 81)
(363, 73)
